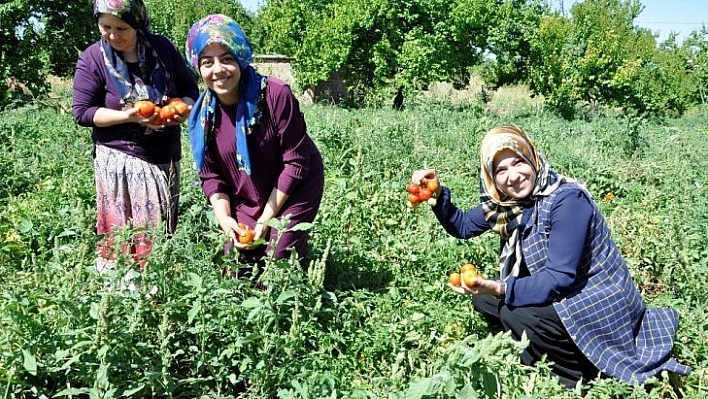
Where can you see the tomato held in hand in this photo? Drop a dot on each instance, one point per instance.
(158, 118)
(168, 112)
(455, 279)
(248, 234)
(413, 188)
(181, 107)
(145, 108)
(432, 185)
(471, 278)
(468, 266)
(424, 194)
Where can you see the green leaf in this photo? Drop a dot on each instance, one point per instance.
(29, 362)
(131, 391)
(284, 296)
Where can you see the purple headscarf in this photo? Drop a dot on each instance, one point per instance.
(133, 12)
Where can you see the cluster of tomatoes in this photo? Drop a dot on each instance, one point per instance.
(248, 235)
(173, 107)
(423, 192)
(468, 274)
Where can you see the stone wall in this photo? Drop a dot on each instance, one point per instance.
(279, 66)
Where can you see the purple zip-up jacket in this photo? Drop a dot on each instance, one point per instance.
(93, 90)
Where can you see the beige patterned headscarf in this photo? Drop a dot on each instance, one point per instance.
(503, 212)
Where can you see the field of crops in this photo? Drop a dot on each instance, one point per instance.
(371, 316)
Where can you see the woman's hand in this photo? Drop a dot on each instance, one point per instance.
(230, 227)
(483, 287)
(261, 229)
(428, 175)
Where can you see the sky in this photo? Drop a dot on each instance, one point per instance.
(660, 16)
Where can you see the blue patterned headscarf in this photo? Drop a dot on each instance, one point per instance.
(223, 30)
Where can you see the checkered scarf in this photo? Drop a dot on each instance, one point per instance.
(503, 212)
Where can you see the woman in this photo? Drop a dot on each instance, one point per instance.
(562, 280)
(136, 158)
(250, 144)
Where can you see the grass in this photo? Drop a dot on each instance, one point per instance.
(371, 317)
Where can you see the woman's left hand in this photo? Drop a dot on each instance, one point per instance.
(483, 287)
(261, 229)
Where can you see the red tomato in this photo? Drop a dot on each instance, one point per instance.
(168, 112)
(413, 188)
(413, 199)
(145, 108)
(424, 194)
(248, 235)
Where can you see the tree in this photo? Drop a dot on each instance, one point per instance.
(173, 19)
(375, 44)
(599, 57)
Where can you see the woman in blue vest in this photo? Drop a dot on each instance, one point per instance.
(562, 281)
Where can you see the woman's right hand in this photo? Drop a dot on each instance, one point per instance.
(231, 228)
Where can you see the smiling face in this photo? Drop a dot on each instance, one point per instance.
(119, 35)
(221, 72)
(513, 176)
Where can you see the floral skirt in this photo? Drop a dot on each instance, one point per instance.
(130, 191)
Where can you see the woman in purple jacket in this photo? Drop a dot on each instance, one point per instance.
(563, 281)
(250, 144)
(136, 160)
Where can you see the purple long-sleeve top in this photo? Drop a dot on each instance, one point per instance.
(282, 154)
(570, 220)
(93, 90)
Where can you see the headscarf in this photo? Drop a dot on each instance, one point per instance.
(503, 212)
(134, 13)
(223, 30)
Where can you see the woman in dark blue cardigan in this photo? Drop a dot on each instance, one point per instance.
(562, 280)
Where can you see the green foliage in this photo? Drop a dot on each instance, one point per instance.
(173, 19)
(373, 45)
(370, 316)
(599, 57)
